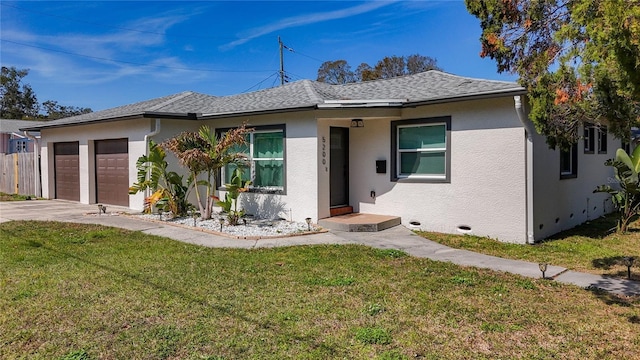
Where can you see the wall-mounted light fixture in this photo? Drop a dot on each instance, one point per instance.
(355, 123)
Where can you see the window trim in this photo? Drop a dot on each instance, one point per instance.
(589, 138)
(254, 189)
(602, 135)
(573, 151)
(395, 152)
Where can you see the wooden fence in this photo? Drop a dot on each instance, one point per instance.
(18, 174)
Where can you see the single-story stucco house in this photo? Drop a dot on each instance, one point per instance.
(442, 152)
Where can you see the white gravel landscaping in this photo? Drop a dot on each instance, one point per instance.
(253, 228)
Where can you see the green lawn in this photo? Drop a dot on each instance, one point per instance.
(90, 292)
(592, 247)
(15, 197)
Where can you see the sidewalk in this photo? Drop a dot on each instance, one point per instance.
(394, 238)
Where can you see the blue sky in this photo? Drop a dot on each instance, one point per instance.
(107, 54)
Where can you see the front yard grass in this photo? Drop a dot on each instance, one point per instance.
(71, 291)
(16, 197)
(593, 247)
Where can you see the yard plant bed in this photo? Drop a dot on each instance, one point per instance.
(93, 292)
(593, 247)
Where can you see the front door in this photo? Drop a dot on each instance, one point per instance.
(339, 166)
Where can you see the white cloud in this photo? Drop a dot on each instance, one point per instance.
(304, 20)
(88, 54)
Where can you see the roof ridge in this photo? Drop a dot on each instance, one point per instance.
(179, 96)
(467, 78)
(309, 86)
(395, 78)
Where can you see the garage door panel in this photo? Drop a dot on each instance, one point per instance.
(112, 172)
(67, 170)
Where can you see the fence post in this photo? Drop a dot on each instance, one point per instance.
(15, 174)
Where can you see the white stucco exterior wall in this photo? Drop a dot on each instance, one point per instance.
(300, 198)
(487, 191)
(133, 130)
(560, 204)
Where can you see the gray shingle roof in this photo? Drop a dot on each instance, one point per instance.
(423, 87)
(14, 126)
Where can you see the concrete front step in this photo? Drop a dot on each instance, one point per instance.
(358, 222)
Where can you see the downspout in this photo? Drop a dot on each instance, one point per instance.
(529, 130)
(156, 131)
(36, 164)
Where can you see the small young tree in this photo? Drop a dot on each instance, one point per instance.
(626, 197)
(169, 192)
(204, 153)
(237, 186)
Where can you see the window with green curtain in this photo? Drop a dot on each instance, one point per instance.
(230, 168)
(268, 159)
(422, 150)
(422, 163)
(422, 137)
(265, 155)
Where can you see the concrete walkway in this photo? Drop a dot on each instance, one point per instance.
(395, 238)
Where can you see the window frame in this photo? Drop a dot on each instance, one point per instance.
(573, 158)
(602, 139)
(395, 151)
(589, 138)
(280, 128)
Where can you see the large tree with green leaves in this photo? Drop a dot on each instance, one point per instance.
(339, 71)
(578, 59)
(17, 100)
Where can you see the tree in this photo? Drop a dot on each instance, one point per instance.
(204, 153)
(390, 67)
(335, 72)
(53, 110)
(578, 59)
(365, 72)
(417, 63)
(339, 71)
(17, 100)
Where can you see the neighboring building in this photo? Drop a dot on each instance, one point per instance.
(12, 140)
(445, 153)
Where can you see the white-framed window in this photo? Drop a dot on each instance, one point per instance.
(602, 139)
(569, 163)
(421, 149)
(595, 138)
(265, 154)
(589, 138)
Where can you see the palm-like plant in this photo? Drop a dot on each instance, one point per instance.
(204, 153)
(626, 197)
(169, 192)
(237, 186)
